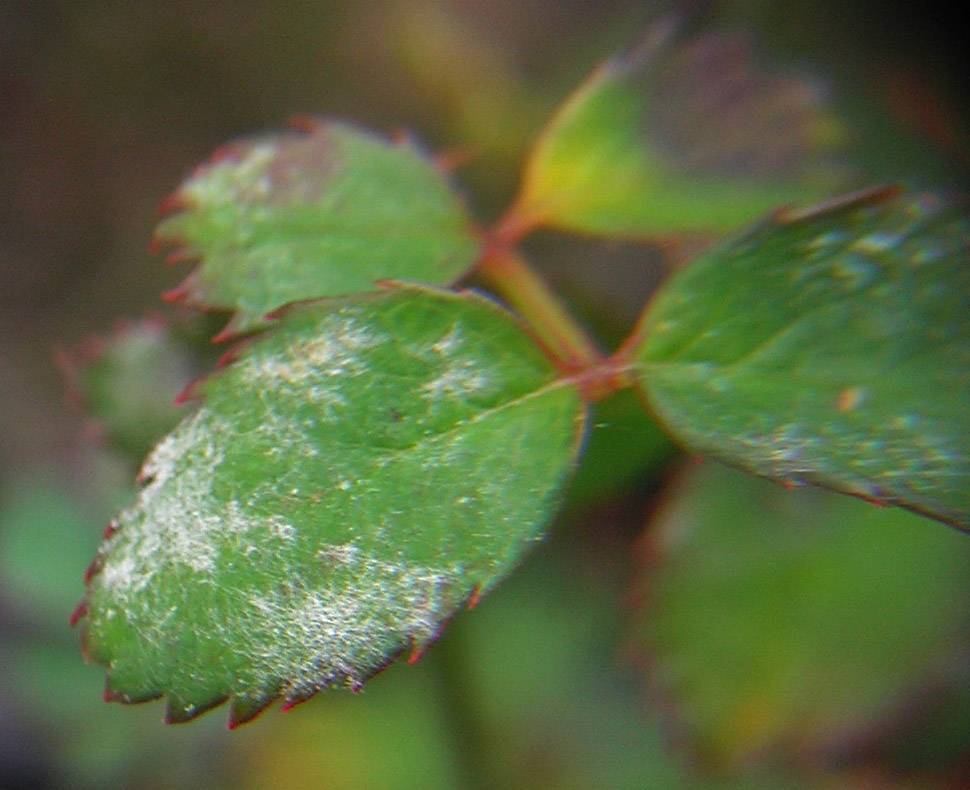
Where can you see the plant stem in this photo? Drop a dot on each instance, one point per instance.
(508, 273)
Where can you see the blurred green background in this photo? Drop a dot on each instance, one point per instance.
(564, 677)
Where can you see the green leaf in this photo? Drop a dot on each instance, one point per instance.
(624, 447)
(679, 138)
(300, 216)
(45, 536)
(831, 347)
(128, 381)
(350, 482)
(792, 622)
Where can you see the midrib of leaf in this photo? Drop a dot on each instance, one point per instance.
(747, 358)
(430, 438)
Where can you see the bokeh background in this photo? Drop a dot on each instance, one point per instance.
(105, 106)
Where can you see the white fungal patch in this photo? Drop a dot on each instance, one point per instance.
(336, 351)
(281, 528)
(456, 381)
(176, 521)
(331, 634)
(343, 554)
(876, 243)
(826, 240)
(315, 369)
(246, 569)
(788, 452)
(450, 342)
(234, 181)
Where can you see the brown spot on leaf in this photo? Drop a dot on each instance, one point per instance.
(849, 398)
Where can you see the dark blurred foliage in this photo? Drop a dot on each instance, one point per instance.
(104, 106)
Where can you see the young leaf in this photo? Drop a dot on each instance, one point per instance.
(831, 347)
(305, 215)
(679, 138)
(349, 482)
(795, 621)
(128, 381)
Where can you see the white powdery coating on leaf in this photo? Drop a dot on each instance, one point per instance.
(337, 632)
(263, 556)
(230, 182)
(461, 372)
(461, 379)
(303, 368)
(175, 520)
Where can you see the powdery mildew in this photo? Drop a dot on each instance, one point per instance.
(850, 380)
(241, 180)
(331, 634)
(317, 573)
(176, 521)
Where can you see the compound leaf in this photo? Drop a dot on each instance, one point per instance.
(831, 347)
(348, 483)
(795, 622)
(679, 138)
(305, 215)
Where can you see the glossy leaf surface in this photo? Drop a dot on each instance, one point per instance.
(305, 215)
(352, 480)
(679, 138)
(828, 347)
(791, 623)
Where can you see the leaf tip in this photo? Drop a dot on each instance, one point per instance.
(298, 699)
(93, 569)
(173, 204)
(80, 611)
(447, 162)
(190, 392)
(243, 710)
(177, 294)
(181, 255)
(302, 122)
(179, 711)
(418, 649)
(870, 196)
(474, 598)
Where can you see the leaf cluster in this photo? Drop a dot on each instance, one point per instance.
(380, 449)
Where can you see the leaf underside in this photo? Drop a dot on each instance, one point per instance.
(348, 483)
(689, 137)
(304, 215)
(789, 622)
(828, 347)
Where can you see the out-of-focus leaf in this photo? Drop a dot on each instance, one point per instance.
(679, 138)
(475, 83)
(349, 483)
(830, 346)
(794, 620)
(554, 626)
(112, 745)
(624, 444)
(299, 216)
(44, 539)
(396, 736)
(128, 382)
